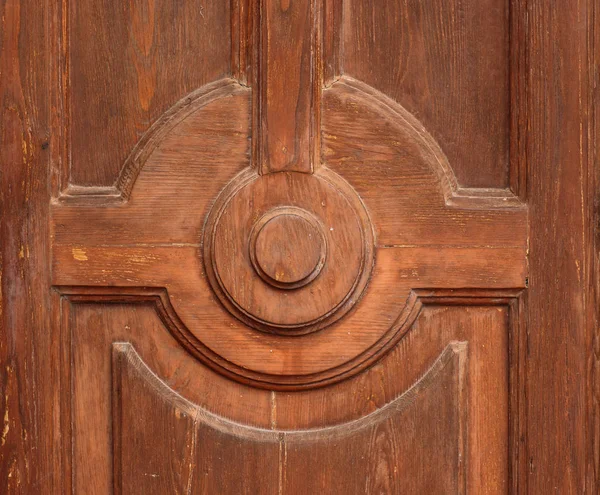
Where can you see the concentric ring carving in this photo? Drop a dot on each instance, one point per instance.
(133, 255)
(288, 253)
(288, 247)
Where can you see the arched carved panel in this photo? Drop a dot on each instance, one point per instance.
(92, 325)
(389, 217)
(193, 438)
(307, 271)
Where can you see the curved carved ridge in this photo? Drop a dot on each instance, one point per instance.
(124, 352)
(454, 195)
(167, 314)
(121, 190)
(350, 298)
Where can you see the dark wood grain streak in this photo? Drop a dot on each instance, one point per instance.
(448, 63)
(29, 345)
(128, 63)
(288, 86)
(562, 330)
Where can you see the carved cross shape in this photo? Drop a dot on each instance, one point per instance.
(288, 233)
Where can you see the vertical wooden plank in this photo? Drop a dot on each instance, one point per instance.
(242, 21)
(29, 418)
(288, 95)
(332, 40)
(593, 306)
(561, 247)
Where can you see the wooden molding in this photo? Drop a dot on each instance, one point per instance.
(159, 299)
(344, 269)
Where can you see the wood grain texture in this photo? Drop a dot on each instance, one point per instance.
(288, 86)
(179, 448)
(448, 64)
(29, 413)
(333, 11)
(562, 192)
(243, 18)
(495, 94)
(128, 64)
(593, 262)
(380, 400)
(388, 443)
(428, 235)
(89, 333)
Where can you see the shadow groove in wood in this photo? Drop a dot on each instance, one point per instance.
(189, 433)
(124, 354)
(454, 195)
(162, 305)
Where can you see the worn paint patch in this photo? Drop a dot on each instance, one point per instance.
(79, 254)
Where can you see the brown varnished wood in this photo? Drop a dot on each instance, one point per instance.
(135, 383)
(131, 70)
(288, 248)
(373, 437)
(288, 85)
(243, 17)
(387, 441)
(435, 326)
(360, 403)
(332, 40)
(185, 448)
(30, 435)
(448, 64)
(468, 263)
(450, 341)
(173, 423)
(354, 219)
(563, 192)
(592, 478)
(90, 331)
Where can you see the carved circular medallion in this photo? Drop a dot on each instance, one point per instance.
(288, 247)
(288, 253)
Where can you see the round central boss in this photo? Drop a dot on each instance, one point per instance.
(288, 247)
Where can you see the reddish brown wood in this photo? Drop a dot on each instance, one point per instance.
(408, 305)
(30, 433)
(288, 86)
(288, 248)
(243, 17)
(146, 55)
(448, 64)
(563, 194)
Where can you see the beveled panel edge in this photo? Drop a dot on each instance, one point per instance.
(124, 353)
(418, 298)
(454, 195)
(120, 192)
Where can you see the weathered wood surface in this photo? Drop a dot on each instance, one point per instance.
(405, 299)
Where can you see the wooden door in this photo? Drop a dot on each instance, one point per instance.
(298, 246)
